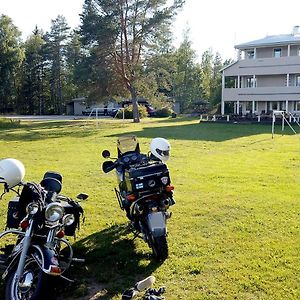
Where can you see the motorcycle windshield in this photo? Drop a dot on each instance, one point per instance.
(127, 143)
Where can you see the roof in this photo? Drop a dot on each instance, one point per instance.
(224, 68)
(272, 40)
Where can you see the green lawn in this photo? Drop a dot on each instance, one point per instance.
(235, 229)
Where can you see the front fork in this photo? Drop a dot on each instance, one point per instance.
(26, 242)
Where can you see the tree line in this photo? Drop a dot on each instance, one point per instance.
(121, 50)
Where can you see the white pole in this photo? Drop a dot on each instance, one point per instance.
(222, 101)
(273, 121)
(289, 124)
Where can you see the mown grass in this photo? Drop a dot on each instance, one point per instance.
(234, 233)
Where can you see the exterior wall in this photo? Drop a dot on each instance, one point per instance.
(294, 50)
(266, 66)
(271, 81)
(261, 107)
(78, 108)
(268, 52)
(262, 94)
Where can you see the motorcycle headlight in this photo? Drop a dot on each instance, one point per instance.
(54, 212)
(32, 208)
(68, 219)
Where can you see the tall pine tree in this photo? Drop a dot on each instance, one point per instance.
(56, 44)
(124, 31)
(11, 57)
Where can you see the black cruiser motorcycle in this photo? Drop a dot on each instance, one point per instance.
(39, 218)
(144, 189)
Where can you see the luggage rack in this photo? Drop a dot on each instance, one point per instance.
(119, 197)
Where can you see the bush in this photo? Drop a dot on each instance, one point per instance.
(163, 112)
(128, 112)
(9, 123)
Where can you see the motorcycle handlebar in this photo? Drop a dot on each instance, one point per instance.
(109, 166)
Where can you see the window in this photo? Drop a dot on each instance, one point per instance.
(274, 105)
(298, 106)
(298, 52)
(297, 80)
(277, 52)
(251, 82)
(281, 105)
(250, 54)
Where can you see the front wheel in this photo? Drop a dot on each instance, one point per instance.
(30, 286)
(159, 247)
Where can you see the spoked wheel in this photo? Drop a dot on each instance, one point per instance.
(30, 286)
(159, 247)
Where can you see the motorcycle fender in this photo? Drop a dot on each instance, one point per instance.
(157, 223)
(49, 263)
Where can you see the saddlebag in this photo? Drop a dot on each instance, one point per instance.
(16, 210)
(143, 179)
(13, 220)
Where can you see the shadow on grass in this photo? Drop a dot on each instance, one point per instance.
(112, 264)
(206, 131)
(45, 130)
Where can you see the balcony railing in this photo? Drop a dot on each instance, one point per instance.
(265, 66)
(291, 93)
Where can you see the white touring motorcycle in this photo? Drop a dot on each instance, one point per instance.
(144, 189)
(39, 218)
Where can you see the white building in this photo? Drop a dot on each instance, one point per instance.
(265, 77)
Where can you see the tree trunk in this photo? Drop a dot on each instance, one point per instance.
(135, 108)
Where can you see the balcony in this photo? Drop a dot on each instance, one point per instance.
(265, 66)
(262, 94)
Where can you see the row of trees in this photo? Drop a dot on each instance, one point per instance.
(122, 49)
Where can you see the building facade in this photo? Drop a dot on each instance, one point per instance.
(265, 77)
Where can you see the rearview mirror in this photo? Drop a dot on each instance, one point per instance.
(107, 166)
(105, 153)
(82, 196)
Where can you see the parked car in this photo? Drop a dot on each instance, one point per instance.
(113, 111)
(100, 111)
(150, 109)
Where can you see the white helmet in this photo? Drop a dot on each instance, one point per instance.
(12, 172)
(160, 148)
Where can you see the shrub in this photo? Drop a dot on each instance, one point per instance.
(163, 112)
(9, 123)
(128, 112)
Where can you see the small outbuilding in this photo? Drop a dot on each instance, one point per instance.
(76, 106)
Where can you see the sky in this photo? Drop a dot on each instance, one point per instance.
(213, 24)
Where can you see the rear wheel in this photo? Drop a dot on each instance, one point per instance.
(159, 247)
(30, 286)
